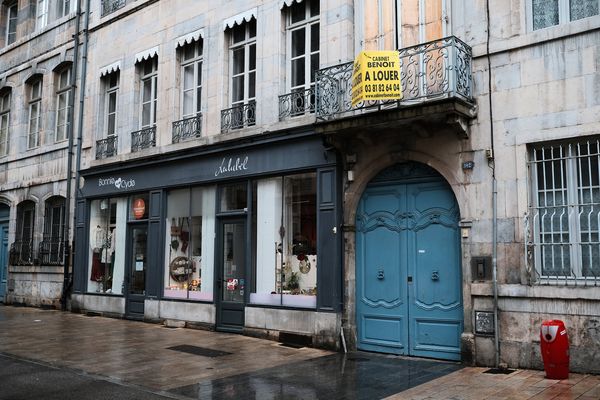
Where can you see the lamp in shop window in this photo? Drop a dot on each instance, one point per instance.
(139, 207)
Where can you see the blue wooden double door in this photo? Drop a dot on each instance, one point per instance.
(408, 273)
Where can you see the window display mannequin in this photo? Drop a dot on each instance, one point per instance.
(96, 242)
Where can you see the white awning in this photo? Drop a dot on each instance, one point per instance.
(109, 69)
(189, 38)
(288, 3)
(146, 54)
(239, 19)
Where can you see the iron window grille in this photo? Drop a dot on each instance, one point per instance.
(143, 139)
(21, 253)
(187, 128)
(562, 225)
(439, 69)
(296, 103)
(110, 6)
(106, 147)
(238, 117)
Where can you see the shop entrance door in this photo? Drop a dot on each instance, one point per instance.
(136, 270)
(3, 258)
(231, 275)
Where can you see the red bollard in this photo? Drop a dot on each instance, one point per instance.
(555, 349)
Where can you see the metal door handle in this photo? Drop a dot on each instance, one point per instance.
(380, 274)
(435, 276)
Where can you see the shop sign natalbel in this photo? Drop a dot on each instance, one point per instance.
(376, 76)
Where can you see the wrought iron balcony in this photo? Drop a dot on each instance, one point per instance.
(187, 128)
(21, 253)
(51, 251)
(106, 147)
(238, 117)
(298, 102)
(440, 69)
(143, 139)
(109, 6)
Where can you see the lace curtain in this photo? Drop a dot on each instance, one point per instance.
(583, 8)
(545, 13)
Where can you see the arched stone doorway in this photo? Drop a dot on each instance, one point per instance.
(408, 264)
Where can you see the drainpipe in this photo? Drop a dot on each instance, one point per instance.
(494, 195)
(84, 58)
(67, 261)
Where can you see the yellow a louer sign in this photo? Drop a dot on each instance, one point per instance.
(376, 76)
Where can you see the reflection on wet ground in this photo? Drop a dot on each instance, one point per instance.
(337, 376)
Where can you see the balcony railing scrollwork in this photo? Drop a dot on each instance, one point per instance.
(106, 147)
(296, 103)
(429, 71)
(51, 251)
(187, 128)
(21, 253)
(238, 117)
(109, 6)
(143, 139)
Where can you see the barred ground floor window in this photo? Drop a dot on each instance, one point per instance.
(564, 211)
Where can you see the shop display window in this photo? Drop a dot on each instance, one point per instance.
(285, 241)
(189, 244)
(108, 223)
(234, 197)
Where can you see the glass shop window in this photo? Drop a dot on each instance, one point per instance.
(138, 207)
(285, 241)
(108, 223)
(189, 244)
(234, 197)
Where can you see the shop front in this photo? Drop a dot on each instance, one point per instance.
(240, 238)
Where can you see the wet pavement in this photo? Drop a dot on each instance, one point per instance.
(47, 354)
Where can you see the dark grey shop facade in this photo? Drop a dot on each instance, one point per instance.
(243, 237)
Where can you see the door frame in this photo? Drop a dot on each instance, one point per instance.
(219, 280)
(129, 265)
(420, 177)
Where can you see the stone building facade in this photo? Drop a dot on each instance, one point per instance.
(36, 53)
(228, 182)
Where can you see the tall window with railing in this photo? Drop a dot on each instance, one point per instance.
(148, 96)
(35, 113)
(145, 137)
(302, 38)
(63, 93)
(5, 98)
(242, 52)
(189, 125)
(21, 251)
(563, 222)
(52, 246)
(107, 146)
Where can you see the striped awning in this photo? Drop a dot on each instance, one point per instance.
(189, 38)
(146, 54)
(109, 69)
(239, 19)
